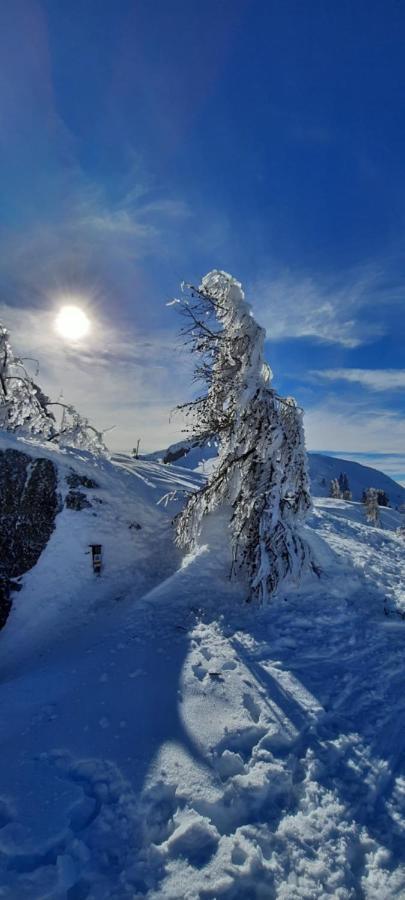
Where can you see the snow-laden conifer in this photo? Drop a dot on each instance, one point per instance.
(23, 406)
(296, 495)
(334, 489)
(25, 409)
(261, 474)
(344, 483)
(370, 500)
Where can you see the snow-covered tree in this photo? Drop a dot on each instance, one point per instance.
(296, 493)
(344, 483)
(75, 431)
(370, 500)
(23, 406)
(382, 497)
(334, 489)
(261, 475)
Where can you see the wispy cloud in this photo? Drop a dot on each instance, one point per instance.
(93, 239)
(130, 380)
(375, 379)
(334, 425)
(294, 305)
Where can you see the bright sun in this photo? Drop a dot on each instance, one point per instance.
(72, 323)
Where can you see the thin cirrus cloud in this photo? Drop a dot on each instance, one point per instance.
(347, 313)
(132, 384)
(344, 427)
(94, 244)
(374, 379)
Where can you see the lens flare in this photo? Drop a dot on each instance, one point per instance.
(72, 323)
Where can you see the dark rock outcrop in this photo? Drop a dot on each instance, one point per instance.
(75, 480)
(29, 503)
(76, 500)
(172, 456)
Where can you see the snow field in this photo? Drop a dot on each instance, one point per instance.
(178, 743)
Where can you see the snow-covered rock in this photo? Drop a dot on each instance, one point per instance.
(29, 504)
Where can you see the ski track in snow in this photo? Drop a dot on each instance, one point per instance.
(181, 744)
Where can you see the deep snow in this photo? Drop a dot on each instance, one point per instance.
(163, 739)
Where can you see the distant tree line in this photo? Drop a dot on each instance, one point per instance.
(339, 488)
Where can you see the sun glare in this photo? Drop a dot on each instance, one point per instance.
(72, 323)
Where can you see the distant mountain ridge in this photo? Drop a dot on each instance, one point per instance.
(322, 469)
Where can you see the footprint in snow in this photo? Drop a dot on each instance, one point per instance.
(195, 839)
(230, 764)
(242, 742)
(251, 707)
(199, 671)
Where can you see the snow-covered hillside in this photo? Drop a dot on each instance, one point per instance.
(124, 517)
(322, 469)
(160, 738)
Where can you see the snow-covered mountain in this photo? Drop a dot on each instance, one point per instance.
(322, 469)
(161, 738)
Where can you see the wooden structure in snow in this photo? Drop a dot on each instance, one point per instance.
(96, 557)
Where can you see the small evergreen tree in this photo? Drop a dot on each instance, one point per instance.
(372, 510)
(344, 484)
(261, 474)
(347, 495)
(334, 489)
(382, 497)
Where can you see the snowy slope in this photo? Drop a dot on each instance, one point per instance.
(322, 469)
(181, 744)
(125, 518)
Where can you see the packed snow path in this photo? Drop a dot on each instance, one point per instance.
(182, 744)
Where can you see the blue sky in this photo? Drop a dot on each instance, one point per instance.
(143, 143)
